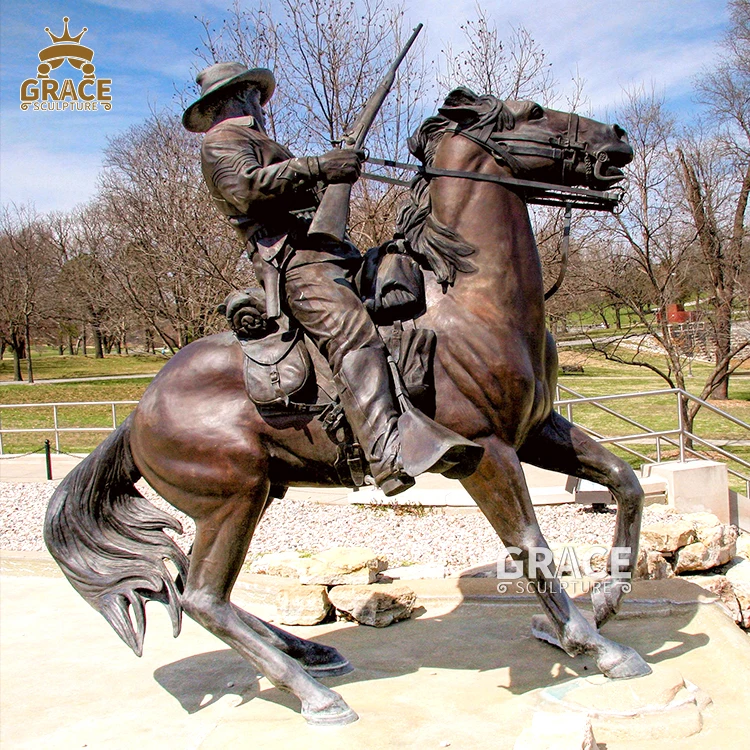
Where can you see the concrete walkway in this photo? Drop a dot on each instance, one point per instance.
(90, 379)
(463, 673)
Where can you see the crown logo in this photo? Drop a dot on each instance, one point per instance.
(66, 37)
(66, 47)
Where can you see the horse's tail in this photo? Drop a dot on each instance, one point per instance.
(110, 541)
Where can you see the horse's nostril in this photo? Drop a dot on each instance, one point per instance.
(619, 132)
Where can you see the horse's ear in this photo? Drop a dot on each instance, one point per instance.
(460, 106)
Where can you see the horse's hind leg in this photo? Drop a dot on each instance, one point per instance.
(561, 446)
(499, 489)
(223, 531)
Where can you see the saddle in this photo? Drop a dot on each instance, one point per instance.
(285, 374)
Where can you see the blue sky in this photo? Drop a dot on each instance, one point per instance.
(148, 47)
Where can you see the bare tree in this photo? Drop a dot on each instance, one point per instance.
(27, 265)
(514, 68)
(719, 215)
(169, 257)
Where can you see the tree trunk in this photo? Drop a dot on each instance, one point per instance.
(17, 363)
(723, 347)
(2, 350)
(70, 344)
(618, 321)
(83, 342)
(98, 348)
(604, 318)
(29, 365)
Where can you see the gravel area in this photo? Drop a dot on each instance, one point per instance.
(417, 535)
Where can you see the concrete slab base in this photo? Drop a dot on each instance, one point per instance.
(465, 672)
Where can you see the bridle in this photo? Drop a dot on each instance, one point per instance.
(505, 147)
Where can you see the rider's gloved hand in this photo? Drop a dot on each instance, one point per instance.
(341, 165)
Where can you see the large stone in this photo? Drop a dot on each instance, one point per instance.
(715, 545)
(652, 565)
(743, 545)
(668, 536)
(738, 576)
(557, 731)
(288, 564)
(335, 566)
(378, 605)
(302, 605)
(720, 586)
(343, 565)
(661, 705)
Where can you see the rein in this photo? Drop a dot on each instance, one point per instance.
(538, 193)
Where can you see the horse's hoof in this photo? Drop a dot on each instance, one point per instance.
(630, 665)
(337, 715)
(334, 669)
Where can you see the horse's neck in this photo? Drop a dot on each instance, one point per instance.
(506, 257)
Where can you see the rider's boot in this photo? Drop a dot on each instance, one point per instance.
(364, 385)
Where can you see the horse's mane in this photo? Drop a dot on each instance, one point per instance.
(437, 246)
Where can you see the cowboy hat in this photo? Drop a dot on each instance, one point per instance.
(219, 82)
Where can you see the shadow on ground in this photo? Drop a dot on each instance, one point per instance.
(475, 636)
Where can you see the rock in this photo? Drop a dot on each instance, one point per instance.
(302, 605)
(414, 572)
(378, 605)
(652, 565)
(738, 576)
(343, 565)
(720, 586)
(557, 731)
(716, 545)
(668, 536)
(288, 564)
(743, 546)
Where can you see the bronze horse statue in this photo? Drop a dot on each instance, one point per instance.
(200, 442)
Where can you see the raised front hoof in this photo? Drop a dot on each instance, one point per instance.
(338, 715)
(625, 666)
(334, 669)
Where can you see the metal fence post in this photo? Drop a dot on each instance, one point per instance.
(48, 459)
(114, 416)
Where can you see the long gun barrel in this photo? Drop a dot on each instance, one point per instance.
(333, 211)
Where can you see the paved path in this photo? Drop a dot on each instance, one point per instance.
(81, 380)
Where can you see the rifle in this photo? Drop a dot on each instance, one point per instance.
(333, 211)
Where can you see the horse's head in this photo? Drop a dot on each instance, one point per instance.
(542, 144)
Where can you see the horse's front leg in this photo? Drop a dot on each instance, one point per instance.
(317, 659)
(561, 446)
(499, 489)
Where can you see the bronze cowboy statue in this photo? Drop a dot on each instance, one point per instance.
(270, 197)
(217, 456)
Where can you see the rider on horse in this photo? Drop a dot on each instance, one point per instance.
(270, 197)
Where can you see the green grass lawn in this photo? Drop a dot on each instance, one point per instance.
(49, 365)
(599, 378)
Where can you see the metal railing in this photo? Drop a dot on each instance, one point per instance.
(55, 428)
(680, 437)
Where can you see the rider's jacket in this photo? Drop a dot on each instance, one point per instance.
(266, 193)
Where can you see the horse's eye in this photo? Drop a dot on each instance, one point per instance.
(536, 113)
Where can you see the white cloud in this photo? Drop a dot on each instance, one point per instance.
(51, 180)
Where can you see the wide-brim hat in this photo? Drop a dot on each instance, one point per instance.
(219, 82)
